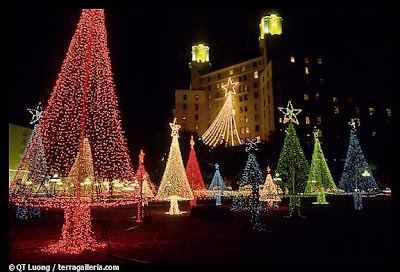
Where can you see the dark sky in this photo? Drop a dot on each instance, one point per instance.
(150, 52)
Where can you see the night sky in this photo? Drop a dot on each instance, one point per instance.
(150, 51)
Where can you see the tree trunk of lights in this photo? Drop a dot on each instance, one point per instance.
(76, 232)
(173, 206)
(82, 125)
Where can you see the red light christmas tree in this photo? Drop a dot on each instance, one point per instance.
(146, 187)
(82, 139)
(148, 190)
(194, 175)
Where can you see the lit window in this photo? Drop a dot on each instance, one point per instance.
(242, 68)
(255, 74)
(319, 61)
(247, 130)
(209, 106)
(335, 99)
(357, 110)
(218, 85)
(306, 97)
(231, 72)
(245, 88)
(280, 119)
(196, 126)
(308, 120)
(196, 97)
(209, 97)
(316, 96)
(242, 130)
(246, 120)
(319, 120)
(371, 111)
(307, 70)
(184, 117)
(306, 60)
(319, 133)
(292, 59)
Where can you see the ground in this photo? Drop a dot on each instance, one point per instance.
(334, 233)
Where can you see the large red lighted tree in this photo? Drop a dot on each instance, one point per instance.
(83, 140)
(194, 175)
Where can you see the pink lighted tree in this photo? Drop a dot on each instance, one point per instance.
(83, 140)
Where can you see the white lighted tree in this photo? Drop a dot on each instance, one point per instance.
(174, 185)
(223, 129)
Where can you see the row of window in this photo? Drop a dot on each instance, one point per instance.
(308, 120)
(306, 60)
(371, 111)
(232, 71)
(196, 97)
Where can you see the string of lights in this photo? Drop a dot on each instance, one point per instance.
(250, 182)
(174, 185)
(194, 175)
(269, 191)
(320, 180)
(223, 128)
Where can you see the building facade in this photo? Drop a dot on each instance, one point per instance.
(253, 103)
(18, 137)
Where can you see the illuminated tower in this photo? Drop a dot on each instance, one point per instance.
(200, 63)
(270, 30)
(270, 24)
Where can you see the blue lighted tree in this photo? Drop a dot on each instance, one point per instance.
(248, 196)
(357, 177)
(217, 185)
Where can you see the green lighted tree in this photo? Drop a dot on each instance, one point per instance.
(293, 168)
(320, 180)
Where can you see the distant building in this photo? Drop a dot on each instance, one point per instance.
(18, 137)
(283, 71)
(253, 103)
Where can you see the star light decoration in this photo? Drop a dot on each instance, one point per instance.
(230, 87)
(352, 124)
(290, 113)
(251, 144)
(175, 128)
(36, 114)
